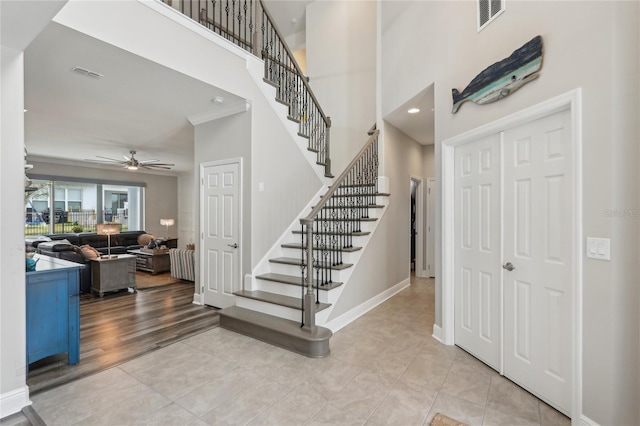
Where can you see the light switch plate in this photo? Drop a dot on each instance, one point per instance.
(599, 248)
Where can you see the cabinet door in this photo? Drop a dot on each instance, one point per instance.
(47, 316)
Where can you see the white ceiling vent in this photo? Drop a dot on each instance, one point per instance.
(488, 10)
(87, 73)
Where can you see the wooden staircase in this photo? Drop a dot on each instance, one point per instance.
(272, 310)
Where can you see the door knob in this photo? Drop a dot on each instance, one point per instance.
(509, 266)
(234, 245)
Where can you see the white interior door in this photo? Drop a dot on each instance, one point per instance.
(477, 249)
(538, 215)
(220, 227)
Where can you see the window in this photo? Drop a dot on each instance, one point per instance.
(488, 10)
(79, 206)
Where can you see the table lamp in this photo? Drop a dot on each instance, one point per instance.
(167, 223)
(108, 229)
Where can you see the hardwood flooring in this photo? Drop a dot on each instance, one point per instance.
(121, 326)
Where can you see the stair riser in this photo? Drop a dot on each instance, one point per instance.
(279, 268)
(347, 257)
(287, 289)
(278, 310)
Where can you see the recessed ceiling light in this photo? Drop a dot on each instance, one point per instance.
(25, 110)
(217, 100)
(414, 110)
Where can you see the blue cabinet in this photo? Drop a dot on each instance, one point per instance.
(53, 312)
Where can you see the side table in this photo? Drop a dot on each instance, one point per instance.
(112, 274)
(152, 262)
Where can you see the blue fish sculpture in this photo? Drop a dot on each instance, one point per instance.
(503, 78)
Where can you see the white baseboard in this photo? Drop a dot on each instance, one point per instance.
(586, 421)
(197, 299)
(13, 401)
(355, 313)
(437, 333)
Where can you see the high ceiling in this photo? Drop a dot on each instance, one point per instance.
(137, 104)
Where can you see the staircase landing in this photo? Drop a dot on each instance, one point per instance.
(277, 331)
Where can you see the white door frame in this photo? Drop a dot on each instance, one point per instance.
(237, 160)
(420, 272)
(571, 100)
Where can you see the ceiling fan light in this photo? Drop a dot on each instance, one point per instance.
(132, 167)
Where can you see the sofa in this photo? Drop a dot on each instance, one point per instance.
(67, 247)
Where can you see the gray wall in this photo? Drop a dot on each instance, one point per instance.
(597, 52)
(386, 260)
(161, 191)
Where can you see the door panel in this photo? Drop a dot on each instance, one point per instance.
(537, 322)
(477, 274)
(221, 233)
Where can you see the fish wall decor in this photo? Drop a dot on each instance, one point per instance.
(503, 78)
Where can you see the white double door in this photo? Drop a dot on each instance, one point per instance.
(513, 254)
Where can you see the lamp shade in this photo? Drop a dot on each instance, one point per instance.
(167, 222)
(108, 228)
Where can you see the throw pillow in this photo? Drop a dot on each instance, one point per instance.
(89, 252)
(143, 239)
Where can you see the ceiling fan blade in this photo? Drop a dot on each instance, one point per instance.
(110, 159)
(155, 166)
(148, 161)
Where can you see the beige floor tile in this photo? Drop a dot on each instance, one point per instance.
(405, 404)
(467, 382)
(334, 379)
(496, 418)
(507, 397)
(551, 417)
(333, 416)
(212, 394)
(171, 415)
(295, 408)
(427, 371)
(363, 394)
(392, 360)
(456, 408)
(241, 408)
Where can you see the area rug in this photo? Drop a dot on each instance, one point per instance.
(442, 420)
(146, 280)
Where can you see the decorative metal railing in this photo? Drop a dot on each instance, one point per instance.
(249, 24)
(39, 223)
(327, 232)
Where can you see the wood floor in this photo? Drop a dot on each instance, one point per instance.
(122, 326)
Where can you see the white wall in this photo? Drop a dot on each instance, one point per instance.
(341, 65)
(597, 52)
(13, 391)
(185, 225)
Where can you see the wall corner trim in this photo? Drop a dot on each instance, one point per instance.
(13, 401)
(437, 333)
(216, 114)
(586, 421)
(197, 299)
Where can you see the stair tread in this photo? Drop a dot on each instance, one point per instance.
(294, 280)
(269, 82)
(276, 331)
(298, 262)
(299, 247)
(353, 234)
(277, 299)
(364, 219)
(375, 194)
(369, 206)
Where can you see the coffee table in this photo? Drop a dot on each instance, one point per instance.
(152, 262)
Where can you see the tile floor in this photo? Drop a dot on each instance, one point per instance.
(384, 369)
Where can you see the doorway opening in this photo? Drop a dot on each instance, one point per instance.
(416, 230)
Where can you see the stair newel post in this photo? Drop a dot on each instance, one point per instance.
(327, 147)
(309, 298)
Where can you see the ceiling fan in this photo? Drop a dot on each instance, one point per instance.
(132, 163)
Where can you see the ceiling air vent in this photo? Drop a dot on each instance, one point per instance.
(488, 10)
(87, 73)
